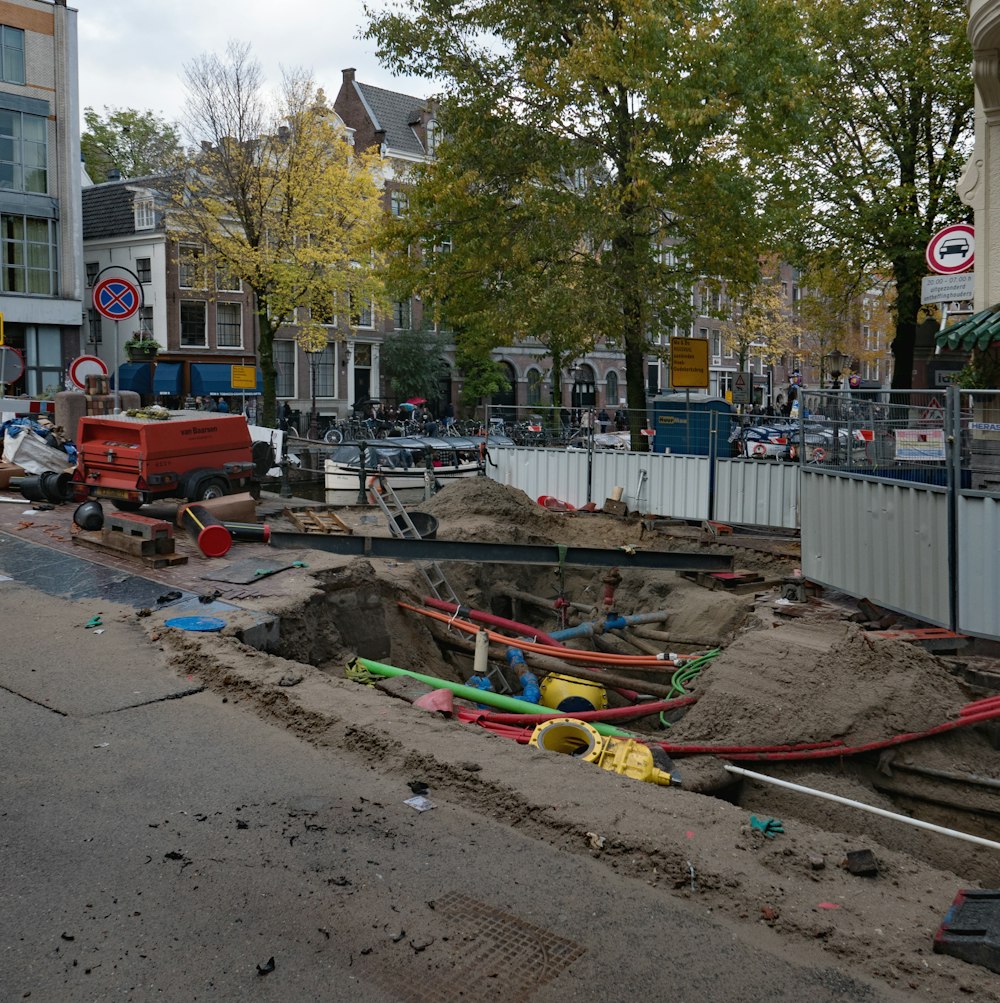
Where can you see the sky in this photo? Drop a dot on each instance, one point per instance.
(132, 52)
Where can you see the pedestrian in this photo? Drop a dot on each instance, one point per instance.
(210, 404)
(222, 406)
(621, 418)
(587, 420)
(605, 419)
(449, 414)
(565, 418)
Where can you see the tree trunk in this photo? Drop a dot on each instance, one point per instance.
(265, 352)
(907, 306)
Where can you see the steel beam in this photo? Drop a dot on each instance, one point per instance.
(500, 553)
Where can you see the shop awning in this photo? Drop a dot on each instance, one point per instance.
(978, 331)
(136, 376)
(217, 378)
(167, 378)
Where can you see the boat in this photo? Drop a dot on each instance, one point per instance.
(408, 464)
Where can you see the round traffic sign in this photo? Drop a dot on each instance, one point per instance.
(83, 366)
(952, 250)
(116, 299)
(11, 364)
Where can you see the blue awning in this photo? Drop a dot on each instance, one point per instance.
(167, 378)
(136, 376)
(216, 378)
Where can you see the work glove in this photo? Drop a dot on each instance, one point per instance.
(770, 827)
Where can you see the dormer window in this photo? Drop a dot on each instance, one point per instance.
(145, 214)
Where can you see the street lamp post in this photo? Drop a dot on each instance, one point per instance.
(313, 357)
(837, 360)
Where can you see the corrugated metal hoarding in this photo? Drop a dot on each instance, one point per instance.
(757, 493)
(652, 482)
(887, 541)
(979, 564)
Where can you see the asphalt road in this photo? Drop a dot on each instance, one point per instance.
(160, 843)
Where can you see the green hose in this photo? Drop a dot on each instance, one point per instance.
(687, 673)
(488, 697)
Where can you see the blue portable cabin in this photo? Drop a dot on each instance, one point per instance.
(692, 424)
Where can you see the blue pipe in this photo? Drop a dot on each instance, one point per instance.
(613, 621)
(529, 681)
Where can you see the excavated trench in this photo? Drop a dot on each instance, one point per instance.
(356, 611)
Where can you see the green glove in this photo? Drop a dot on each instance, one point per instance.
(771, 827)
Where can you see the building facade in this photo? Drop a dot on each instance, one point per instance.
(202, 320)
(41, 277)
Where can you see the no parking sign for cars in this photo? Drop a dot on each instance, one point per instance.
(116, 299)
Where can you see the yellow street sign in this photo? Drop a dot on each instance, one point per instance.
(1, 329)
(689, 363)
(244, 377)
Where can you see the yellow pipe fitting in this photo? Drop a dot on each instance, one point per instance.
(568, 694)
(625, 757)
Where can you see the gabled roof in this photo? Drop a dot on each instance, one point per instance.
(394, 113)
(108, 209)
(978, 331)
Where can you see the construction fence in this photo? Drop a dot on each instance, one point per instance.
(896, 494)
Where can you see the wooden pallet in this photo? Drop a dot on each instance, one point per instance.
(738, 582)
(128, 546)
(311, 520)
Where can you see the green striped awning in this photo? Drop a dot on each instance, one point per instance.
(978, 331)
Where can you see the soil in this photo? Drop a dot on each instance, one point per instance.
(811, 677)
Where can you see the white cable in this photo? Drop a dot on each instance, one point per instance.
(929, 826)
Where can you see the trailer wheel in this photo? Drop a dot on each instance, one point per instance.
(210, 487)
(126, 505)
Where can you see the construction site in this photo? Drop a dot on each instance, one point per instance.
(671, 698)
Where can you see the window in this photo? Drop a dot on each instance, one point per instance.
(28, 255)
(717, 344)
(432, 138)
(191, 270)
(398, 203)
(93, 270)
(145, 215)
(12, 54)
(284, 367)
(402, 316)
(227, 281)
(534, 386)
(228, 325)
(43, 350)
(322, 364)
(193, 324)
(611, 391)
(146, 320)
(361, 316)
(93, 326)
(23, 152)
(143, 270)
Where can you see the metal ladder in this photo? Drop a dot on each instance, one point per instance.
(401, 525)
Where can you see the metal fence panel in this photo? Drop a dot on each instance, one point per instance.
(887, 541)
(653, 482)
(757, 493)
(979, 565)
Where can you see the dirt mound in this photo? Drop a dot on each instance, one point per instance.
(825, 681)
(485, 498)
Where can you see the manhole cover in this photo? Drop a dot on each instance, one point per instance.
(495, 956)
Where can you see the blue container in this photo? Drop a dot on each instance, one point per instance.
(692, 424)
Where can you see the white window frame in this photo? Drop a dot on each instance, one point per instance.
(180, 324)
(144, 211)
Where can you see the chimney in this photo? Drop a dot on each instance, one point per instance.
(114, 174)
(206, 146)
(284, 132)
(349, 75)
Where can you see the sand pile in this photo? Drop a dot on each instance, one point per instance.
(464, 506)
(808, 684)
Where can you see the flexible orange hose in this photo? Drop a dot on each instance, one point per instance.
(650, 662)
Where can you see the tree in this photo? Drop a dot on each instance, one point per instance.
(760, 323)
(278, 198)
(596, 156)
(891, 102)
(134, 143)
(413, 363)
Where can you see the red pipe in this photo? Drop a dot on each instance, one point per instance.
(750, 753)
(532, 633)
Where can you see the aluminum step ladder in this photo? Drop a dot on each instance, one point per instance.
(401, 525)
